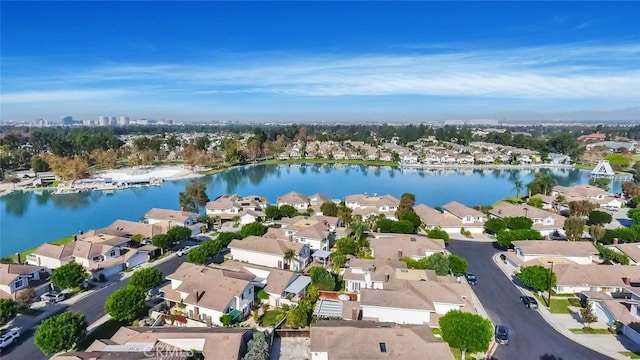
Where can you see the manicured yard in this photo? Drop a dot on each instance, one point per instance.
(104, 331)
(560, 306)
(630, 354)
(586, 330)
(270, 317)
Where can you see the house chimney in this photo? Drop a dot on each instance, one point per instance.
(615, 241)
(499, 211)
(399, 253)
(386, 277)
(290, 237)
(18, 259)
(626, 280)
(75, 237)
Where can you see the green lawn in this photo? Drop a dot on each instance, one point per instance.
(329, 161)
(630, 354)
(104, 331)
(583, 166)
(560, 306)
(457, 354)
(270, 318)
(587, 330)
(23, 254)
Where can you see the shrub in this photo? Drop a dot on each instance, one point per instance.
(226, 319)
(438, 234)
(262, 295)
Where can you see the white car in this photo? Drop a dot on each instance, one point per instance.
(9, 338)
(52, 297)
(183, 251)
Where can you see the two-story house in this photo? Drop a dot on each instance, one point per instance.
(319, 232)
(17, 277)
(271, 252)
(370, 273)
(590, 193)
(172, 218)
(299, 201)
(247, 209)
(366, 205)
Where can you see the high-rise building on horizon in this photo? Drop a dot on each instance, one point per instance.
(113, 121)
(123, 121)
(66, 120)
(103, 120)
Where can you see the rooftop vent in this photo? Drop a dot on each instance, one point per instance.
(413, 239)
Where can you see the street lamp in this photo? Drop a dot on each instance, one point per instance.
(550, 278)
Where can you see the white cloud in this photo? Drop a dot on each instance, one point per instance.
(22, 97)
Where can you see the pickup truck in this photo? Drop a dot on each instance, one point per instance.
(52, 297)
(9, 338)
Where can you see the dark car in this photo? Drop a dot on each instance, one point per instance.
(471, 279)
(529, 301)
(502, 335)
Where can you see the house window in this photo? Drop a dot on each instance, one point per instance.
(18, 283)
(383, 347)
(112, 253)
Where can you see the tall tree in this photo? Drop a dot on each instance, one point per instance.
(69, 276)
(573, 228)
(329, 209)
(290, 256)
(146, 279)
(518, 186)
(125, 304)
(597, 232)
(60, 332)
(587, 315)
(537, 277)
(193, 197)
(465, 331)
(406, 204)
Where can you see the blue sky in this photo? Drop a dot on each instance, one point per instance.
(315, 61)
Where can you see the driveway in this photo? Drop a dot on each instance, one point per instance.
(91, 306)
(530, 337)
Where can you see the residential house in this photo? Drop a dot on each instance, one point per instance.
(632, 250)
(385, 204)
(471, 219)
(131, 228)
(370, 273)
(172, 218)
(17, 277)
(447, 221)
(316, 200)
(319, 232)
(334, 340)
(616, 311)
(299, 201)
(246, 209)
(590, 193)
(574, 278)
(540, 252)
(592, 137)
(208, 293)
(558, 159)
(270, 252)
(397, 246)
(133, 343)
(544, 221)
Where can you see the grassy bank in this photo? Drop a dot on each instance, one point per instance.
(332, 161)
(23, 254)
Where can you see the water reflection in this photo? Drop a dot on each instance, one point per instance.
(17, 202)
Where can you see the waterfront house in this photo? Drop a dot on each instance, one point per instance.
(385, 204)
(540, 252)
(168, 342)
(397, 246)
(131, 228)
(17, 277)
(319, 232)
(246, 209)
(447, 221)
(208, 293)
(299, 201)
(594, 194)
(270, 252)
(172, 218)
(469, 217)
(544, 221)
(316, 200)
(331, 339)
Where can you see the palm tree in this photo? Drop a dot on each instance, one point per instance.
(289, 257)
(358, 228)
(518, 186)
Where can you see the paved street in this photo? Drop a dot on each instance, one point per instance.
(92, 307)
(530, 337)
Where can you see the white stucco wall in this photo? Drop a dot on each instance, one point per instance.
(397, 315)
(48, 262)
(442, 308)
(319, 356)
(257, 258)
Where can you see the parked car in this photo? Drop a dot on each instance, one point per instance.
(9, 338)
(183, 251)
(502, 335)
(529, 301)
(471, 279)
(52, 297)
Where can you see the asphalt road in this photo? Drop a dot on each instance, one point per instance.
(530, 337)
(91, 306)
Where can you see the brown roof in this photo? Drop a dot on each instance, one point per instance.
(556, 248)
(580, 191)
(49, 250)
(433, 217)
(219, 286)
(375, 201)
(169, 215)
(137, 228)
(266, 245)
(379, 269)
(9, 272)
(81, 249)
(389, 246)
(632, 250)
(337, 338)
(505, 209)
(461, 210)
(214, 343)
(277, 280)
(596, 275)
(409, 294)
(224, 202)
(104, 239)
(293, 198)
(318, 199)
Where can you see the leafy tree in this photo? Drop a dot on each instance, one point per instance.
(537, 277)
(38, 164)
(146, 279)
(402, 227)
(346, 246)
(125, 304)
(598, 217)
(406, 204)
(226, 237)
(597, 232)
(466, 331)
(541, 184)
(322, 279)
(257, 347)
(193, 197)
(207, 220)
(581, 207)
(329, 209)
(630, 189)
(298, 317)
(344, 213)
(384, 225)
(505, 237)
(358, 228)
(458, 265)
(439, 263)
(573, 228)
(162, 241)
(136, 239)
(226, 319)
(588, 315)
(438, 234)
(60, 333)
(69, 276)
(272, 212)
(634, 215)
(197, 256)
(495, 225)
(339, 260)
(412, 217)
(618, 161)
(535, 202)
(253, 229)
(287, 211)
(518, 223)
(612, 255)
(8, 310)
(602, 183)
(179, 233)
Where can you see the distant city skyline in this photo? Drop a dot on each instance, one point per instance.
(317, 61)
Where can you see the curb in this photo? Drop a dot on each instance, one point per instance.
(492, 349)
(97, 323)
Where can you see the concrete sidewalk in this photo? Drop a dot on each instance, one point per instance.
(607, 344)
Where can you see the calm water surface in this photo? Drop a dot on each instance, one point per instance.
(29, 219)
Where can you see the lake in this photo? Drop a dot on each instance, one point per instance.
(29, 219)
